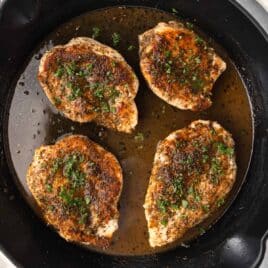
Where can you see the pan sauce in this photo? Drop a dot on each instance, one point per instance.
(33, 121)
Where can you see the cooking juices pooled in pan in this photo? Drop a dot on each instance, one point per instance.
(33, 121)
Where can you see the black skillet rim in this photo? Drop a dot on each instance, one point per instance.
(256, 25)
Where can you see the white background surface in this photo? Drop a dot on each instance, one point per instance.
(262, 18)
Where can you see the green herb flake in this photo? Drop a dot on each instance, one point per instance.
(222, 148)
(51, 208)
(49, 187)
(174, 10)
(201, 230)
(213, 131)
(116, 39)
(57, 101)
(184, 203)
(71, 171)
(43, 165)
(194, 193)
(199, 40)
(59, 72)
(70, 68)
(83, 211)
(76, 92)
(164, 222)
(191, 190)
(205, 158)
(99, 93)
(177, 184)
(90, 68)
(205, 208)
(95, 32)
(174, 206)
(220, 202)
(180, 144)
(105, 108)
(139, 137)
(189, 25)
(56, 165)
(83, 218)
(130, 47)
(162, 205)
(216, 170)
(66, 196)
(91, 163)
(167, 53)
(113, 109)
(87, 200)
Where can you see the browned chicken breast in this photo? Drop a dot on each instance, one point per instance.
(194, 169)
(179, 66)
(77, 185)
(88, 81)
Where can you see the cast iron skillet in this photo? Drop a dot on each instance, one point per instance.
(236, 239)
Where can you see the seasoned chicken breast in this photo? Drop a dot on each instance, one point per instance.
(77, 185)
(194, 169)
(88, 81)
(179, 66)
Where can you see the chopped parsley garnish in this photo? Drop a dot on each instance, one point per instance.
(213, 131)
(72, 201)
(220, 202)
(199, 40)
(57, 101)
(177, 184)
(116, 39)
(76, 92)
(59, 72)
(181, 144)
(51, 208)
(87, 200)
(90, 67)
(162, 205)
(105, 107)
(224, 149)
(56, 165)
(70, 193)
(49, 187)
(70, 68)
(184, 203)
(205, 208)
(130, 48)
(67, 196)
(189, 25)
(197, 83)
(95, 32)
(83, 215)
(205, 158)
(216, 170)
(71, 171)
(164, 222)
(201, 230)
(139, 137)
(174, 10)
(105, 96)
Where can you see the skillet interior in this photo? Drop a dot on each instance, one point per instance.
(46, 247)
(40, 123)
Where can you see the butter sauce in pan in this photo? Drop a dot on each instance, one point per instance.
(33, 121)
